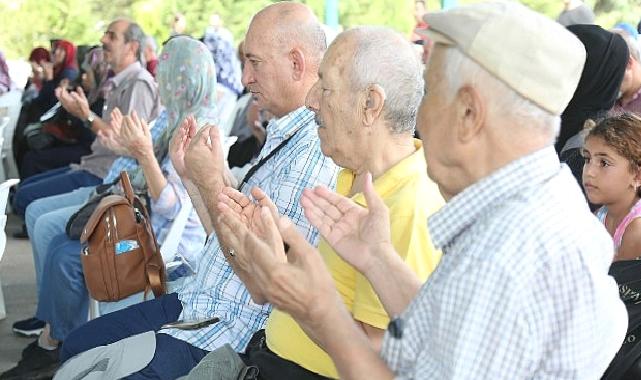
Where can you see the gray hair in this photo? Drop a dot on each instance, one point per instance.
(151, 42)
(384, 57)
(502, 101)
(633, 45)
(134, 33)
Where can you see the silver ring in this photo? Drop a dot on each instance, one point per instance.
(232, 253)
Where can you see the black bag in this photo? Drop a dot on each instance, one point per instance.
(626, 364)
(54, 128)
(36, 138)
(77, 221)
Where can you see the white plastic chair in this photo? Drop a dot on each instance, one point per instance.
(168, 250)
(10, 105)
(4, 194)
(4, 122)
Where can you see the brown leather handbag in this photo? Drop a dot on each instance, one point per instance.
(120, 256)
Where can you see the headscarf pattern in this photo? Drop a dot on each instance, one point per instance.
(94, 61)
(228, 72)
(187, 86)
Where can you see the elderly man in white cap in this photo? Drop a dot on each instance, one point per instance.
(519, 293)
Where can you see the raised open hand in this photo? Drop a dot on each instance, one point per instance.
(109, 139)
(204, 162)
(356, 233)
(180, 142)
(247, 210)
(242, 245)
(136, 137)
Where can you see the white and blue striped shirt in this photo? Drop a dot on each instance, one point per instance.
(215, 290)
(522, 290)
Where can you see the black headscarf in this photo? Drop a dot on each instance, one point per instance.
(598, 89)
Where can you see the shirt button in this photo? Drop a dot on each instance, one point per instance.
(395, 328)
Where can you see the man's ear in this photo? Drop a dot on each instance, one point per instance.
(470, 113)
(297, 59)
(135, 48)
(372, 103)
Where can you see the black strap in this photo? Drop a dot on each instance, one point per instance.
(260, 163)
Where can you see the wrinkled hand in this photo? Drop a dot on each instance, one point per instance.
(179, 144)
(74, 102)
(204, 162)
(110, 136)
(110, 140)
(242, 209)
(357, 234)
(297, 282)
(136, 137)
(247, 210)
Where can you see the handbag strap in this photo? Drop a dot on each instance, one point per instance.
(126, 186)
(169, 247)
(262, 162)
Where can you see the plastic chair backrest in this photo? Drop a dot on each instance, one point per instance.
(4, 195)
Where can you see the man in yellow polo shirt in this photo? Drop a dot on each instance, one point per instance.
(365, 105)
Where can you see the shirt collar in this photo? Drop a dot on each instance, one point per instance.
(289, 124)
(388, 182)
(121, 76)
(482, 197)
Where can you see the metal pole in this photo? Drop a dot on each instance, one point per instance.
(331, 13)
(446, 4)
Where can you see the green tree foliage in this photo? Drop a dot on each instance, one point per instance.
(25, 24)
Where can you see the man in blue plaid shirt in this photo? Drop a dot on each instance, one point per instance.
(283, 48)
(522, 290)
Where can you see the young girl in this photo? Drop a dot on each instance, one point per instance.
(612, 178)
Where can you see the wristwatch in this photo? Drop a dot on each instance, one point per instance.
(91, 117)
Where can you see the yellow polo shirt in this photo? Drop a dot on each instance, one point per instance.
(411, 197)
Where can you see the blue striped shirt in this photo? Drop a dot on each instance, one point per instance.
(215, 290)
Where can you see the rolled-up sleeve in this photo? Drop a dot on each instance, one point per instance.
(172, 196)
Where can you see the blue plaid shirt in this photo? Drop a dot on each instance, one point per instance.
(522, 290)
(127, 163)
(215, 290)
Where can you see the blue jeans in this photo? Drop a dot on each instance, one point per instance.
(63, 300)
(47, 217)
(173, 358)
(53, 182)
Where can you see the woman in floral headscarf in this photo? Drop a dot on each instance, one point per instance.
(187, 85)
(228, 70)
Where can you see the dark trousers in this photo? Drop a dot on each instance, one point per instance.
(52, 182)
(173, 358)
(272, 366)
(40, 161)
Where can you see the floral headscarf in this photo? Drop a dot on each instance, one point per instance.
(94, 62)
(228, 71)
(187, 86)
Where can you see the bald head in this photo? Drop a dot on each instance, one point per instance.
(283, 49)
(292, 25)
